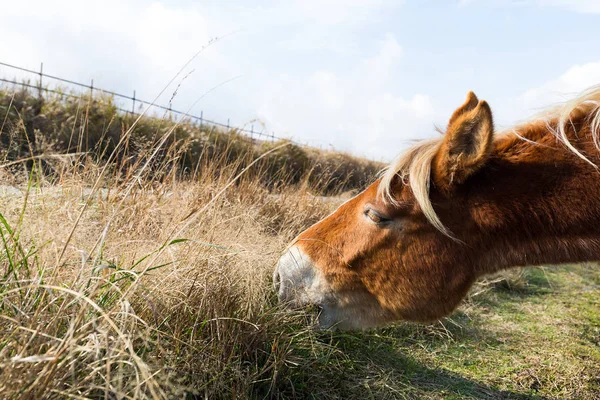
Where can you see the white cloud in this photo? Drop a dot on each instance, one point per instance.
(354, 110)
(582, 6)
(330, 12)
(378, 68)
(111, 41)
(464, 3)
(576, 79)
(306, 69)
(521, 107)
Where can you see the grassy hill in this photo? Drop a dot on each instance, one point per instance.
(93, 127)
(143, 270)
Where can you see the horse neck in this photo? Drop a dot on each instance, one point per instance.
(538, 203)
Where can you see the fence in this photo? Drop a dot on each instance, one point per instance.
(260, 135)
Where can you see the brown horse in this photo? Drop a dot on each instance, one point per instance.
(450, 210)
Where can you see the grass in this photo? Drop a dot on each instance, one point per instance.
(157, 284)
(61, 124)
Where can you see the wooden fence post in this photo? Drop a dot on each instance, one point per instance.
(41, 75)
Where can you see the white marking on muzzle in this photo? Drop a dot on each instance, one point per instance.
(297, 281)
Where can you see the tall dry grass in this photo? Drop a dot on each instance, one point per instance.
(131, 270)
(62, 124)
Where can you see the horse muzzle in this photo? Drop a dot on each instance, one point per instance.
(297, 281)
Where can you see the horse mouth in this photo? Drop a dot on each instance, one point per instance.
(321, 317)
(300, 285)
(334, 317)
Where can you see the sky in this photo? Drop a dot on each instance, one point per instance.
(364, 76)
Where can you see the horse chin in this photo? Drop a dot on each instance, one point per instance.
(351, 318)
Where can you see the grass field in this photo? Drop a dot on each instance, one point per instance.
(139, 282)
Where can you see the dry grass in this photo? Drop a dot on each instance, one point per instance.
(124, 275)
(158, 288)
(57, 124)
(155, 292)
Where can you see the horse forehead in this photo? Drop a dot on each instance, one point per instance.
(369, 195)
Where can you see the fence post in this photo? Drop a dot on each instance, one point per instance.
(273, 137)
(252, 134)
(201, 118)
(228, 124)
(41, 75)
(133, 106)
(92, 90)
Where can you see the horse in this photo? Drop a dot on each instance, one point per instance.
(450, 210)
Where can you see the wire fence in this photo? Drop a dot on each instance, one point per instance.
(200, 120)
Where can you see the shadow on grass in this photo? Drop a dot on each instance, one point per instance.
(382, 365)
(463, 357)
(511, 288)
(387, 364)
(421, 380)
(397, 362)
(526, 282)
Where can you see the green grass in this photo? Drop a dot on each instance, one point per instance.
(533, 336)
(537, 338)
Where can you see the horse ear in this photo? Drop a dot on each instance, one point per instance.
(466, 143)
(469, 104)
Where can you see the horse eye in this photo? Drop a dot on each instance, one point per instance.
(375, 216)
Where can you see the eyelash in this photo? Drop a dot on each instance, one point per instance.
(375, 217)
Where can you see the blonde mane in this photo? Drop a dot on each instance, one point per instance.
(414, 166)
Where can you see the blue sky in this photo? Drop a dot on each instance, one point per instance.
(365, 76)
